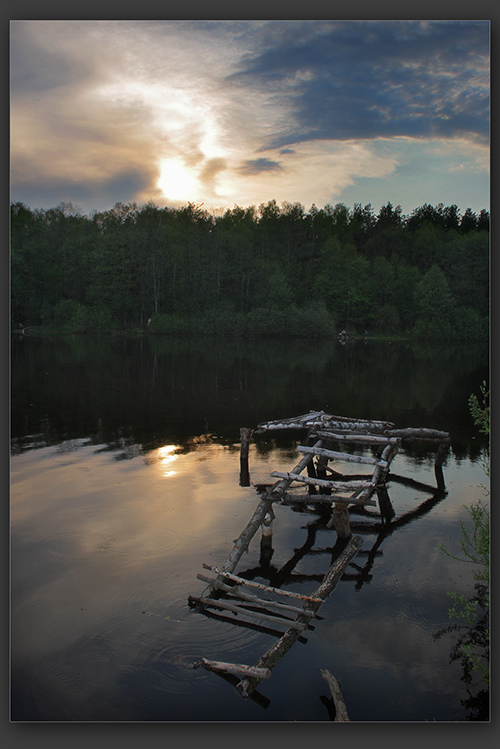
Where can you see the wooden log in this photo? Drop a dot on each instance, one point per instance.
(412, 433)
(235, 609)
(361, 439)
(312, 499)
(279, 648)
(236, 591)
(260, 586)
(341, 715)
(345, 486)
(295, 422)
(319, 419)
(332, 455)
(237, 669)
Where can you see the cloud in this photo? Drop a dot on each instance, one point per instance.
(257, 166)
(356, 80)
(255, 110)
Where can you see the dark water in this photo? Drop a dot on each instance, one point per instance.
(125, 480)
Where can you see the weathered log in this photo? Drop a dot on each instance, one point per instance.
(235, 609)
(345, 486)
(421, 433)
(260, 586)
(311, 499)
(341, 715)
(236, 591)
(368, 439)
(278, 649)
(332, 455)
(319, 419)
(238, 669)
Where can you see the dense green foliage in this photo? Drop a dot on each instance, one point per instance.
(268, 270)
(472, 612)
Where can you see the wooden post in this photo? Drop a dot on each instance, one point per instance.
(340, 520)
(245, 436)
(387, 511)
(266, 542)
(438, 465)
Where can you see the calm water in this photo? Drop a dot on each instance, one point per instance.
(125, 480)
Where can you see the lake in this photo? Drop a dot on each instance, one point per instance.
(125, 481)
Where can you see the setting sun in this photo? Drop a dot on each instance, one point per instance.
(176, 181)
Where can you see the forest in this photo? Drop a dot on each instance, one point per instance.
(275, 270)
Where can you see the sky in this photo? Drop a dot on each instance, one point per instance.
(224, 113)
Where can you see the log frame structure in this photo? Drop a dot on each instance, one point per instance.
(249, 600)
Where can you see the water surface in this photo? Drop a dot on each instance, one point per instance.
(125, 481)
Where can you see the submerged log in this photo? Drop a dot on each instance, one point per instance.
(236, 591)
(341, 715)
(278, 649)
(251, 613)
(239, 669)
(261, 586)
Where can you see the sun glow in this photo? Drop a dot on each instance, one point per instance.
(176, 181)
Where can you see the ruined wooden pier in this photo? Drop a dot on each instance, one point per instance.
(321, 491)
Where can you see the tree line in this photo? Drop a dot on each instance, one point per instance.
(275, 269)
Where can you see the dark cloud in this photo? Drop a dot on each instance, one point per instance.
(357, 80)
(256, 166)
(35, 67)
(86, 195)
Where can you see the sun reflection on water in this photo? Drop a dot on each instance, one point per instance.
(164, 456)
